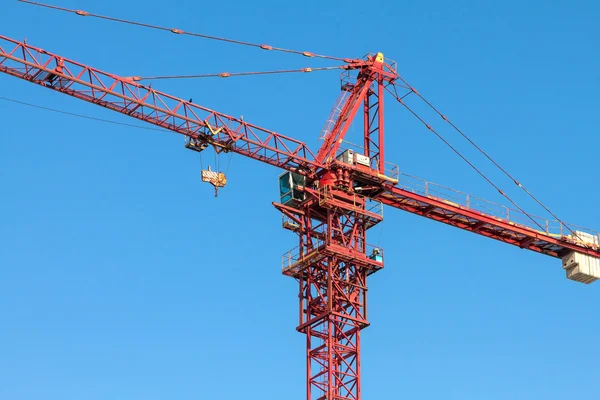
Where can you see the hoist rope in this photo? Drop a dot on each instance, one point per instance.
(216, 159)
(181, 32)
(229, 163)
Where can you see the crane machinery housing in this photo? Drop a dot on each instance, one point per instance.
(329, 198)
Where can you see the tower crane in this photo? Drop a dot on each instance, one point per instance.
(330, 198)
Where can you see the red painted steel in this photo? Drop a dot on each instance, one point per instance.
(333, 259)
(483, 224)
(331, 265)
(374, 127)
(124, 95)
(332, 142)
(370, 79)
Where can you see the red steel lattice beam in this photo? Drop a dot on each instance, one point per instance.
(482, 224)
(125, 96)
(331, 267)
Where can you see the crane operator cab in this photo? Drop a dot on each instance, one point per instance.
(288, 188)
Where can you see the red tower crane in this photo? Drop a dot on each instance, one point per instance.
(330, 198)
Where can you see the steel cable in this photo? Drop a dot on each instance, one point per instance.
(484, 153)
(234, 74)
(80, 115)
(401, 101)
(182, 32)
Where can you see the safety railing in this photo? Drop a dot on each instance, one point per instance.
(293, 260)
(391, 170)
(289, 223)
(334, 114)
(464, 200)
(374, 252)
(347, 80)
(348, 77)
(374, 206)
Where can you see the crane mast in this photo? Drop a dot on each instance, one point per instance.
(330, 198)
(333, 259)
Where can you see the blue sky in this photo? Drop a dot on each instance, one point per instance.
(124, 278)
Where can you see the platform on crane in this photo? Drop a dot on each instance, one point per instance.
(293, 193)
(195, 145)
(295, 261)
(369, 211)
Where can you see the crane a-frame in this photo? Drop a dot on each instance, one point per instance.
(330, 198)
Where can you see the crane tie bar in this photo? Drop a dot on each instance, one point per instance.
(483, 152)
(457, 152)
(233, 74)
(182, 32)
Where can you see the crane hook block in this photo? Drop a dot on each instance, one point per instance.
(217, 179)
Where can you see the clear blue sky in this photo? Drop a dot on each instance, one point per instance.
(124, 278)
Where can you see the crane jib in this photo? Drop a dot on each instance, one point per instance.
(146, 104)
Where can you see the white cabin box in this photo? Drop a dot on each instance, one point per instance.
(581, 267)
(347, 157)
(351, 157)
(362, 160)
